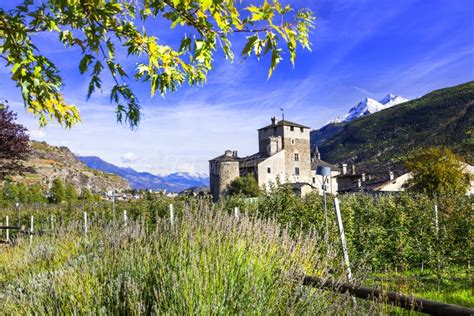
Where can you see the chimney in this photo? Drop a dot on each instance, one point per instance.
(363, 177)
(353, 169)
(344, 168)
(274, 120)
(234, 154)
(391, 175)
(229, 153)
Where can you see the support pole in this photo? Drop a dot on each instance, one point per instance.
(125, 217)
(31, 229)
(236, 212)
(343, 239)
(85, 223)
(171, 215)
(8, 231)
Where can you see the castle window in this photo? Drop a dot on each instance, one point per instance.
(297, 171)
(297, 157)
(269, 170)
(301, 129)
(292, 141)
(292, 128)
(314, 180)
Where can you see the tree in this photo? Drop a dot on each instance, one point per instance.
(86, 195)
(23, 194)
(10, 191)
(437, 170)
(100, 27)
(14, 142)
(246, 186)
(70, 193)
(57, 193)
(35, 194)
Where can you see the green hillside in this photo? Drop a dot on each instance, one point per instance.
(384, 139)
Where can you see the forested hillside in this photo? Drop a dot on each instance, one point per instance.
(443, 117)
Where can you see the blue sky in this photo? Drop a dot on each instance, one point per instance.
(360, 49)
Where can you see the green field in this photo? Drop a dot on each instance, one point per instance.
(210, 262)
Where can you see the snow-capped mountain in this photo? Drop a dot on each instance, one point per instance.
(391, 100)
(370, 106)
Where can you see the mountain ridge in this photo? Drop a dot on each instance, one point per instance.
(444, 117)
(174, 182)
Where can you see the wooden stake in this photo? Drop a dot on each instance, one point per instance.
(125, 217)
(236, 212)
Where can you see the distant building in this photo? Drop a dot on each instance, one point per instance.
(284, 155)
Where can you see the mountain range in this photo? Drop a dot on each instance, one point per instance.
(384, 139)
(175, 182)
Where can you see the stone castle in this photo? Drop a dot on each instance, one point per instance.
(284, 155)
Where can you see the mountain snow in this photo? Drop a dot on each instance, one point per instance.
(370, 106)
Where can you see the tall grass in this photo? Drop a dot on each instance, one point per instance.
(208, 262)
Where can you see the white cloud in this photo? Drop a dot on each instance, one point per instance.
(129, 158)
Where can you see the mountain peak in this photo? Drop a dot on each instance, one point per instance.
(369, 106)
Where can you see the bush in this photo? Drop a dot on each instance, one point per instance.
(245, 186)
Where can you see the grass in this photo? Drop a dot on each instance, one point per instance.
(206, 263)
(453, 287)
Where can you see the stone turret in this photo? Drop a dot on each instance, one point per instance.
(223, 170)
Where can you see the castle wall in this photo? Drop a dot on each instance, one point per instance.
(276, 165)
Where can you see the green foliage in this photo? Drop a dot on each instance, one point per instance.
(70, 193)
(10, 192)
(87, 195)
(22, 193)
(35, 194)
(57, 193)
(245, 186)
(437, 170)
(99, 28)
(441, 118)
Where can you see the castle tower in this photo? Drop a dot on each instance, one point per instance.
(223, 170)
(295, 142)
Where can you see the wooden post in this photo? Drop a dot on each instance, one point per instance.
(31, 229)
(125, 217)
(8, 231)
(51, 218)
(436, 221)
(236, 212)
(343, 239)
(171, 215)
(85, 223)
